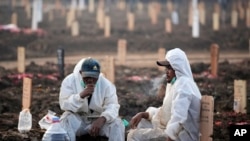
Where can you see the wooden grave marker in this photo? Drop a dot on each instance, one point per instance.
(100, 17)
(27, 86)
(169, 6)
(122, 51)
(28, 10)
(153, 14)
(131, 21)
(206, 118)
(234, 19)
(14, 18)
(121, 5)
(168, 26)
(161, 56)
(216, 21)
(71, 16)
(21, 59)
(214, 51)
(107, 26)
(240, 96)
(202, 13)
(91, 7)
(109, 68)
(241, 10)
(75, 29)
(139, 7)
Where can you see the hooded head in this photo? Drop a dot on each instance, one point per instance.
(90, 68)
(177, 59)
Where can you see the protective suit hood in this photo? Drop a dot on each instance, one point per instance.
(179, 62)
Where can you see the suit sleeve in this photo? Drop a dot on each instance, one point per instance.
(69, 99)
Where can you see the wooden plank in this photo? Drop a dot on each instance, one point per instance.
(21, 59)
(206, 118)
(240, 96)
(27, 86)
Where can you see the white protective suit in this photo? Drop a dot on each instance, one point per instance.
(76, 119)
(179, 115)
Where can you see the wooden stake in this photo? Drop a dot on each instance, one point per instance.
(234, 19)
(214, 50)
(202, 13)
(27, 87)
(206, 118)
(122, 51)
(107, 27)
(75, 29)
(21, 59)
(14, 19)
(131, 21)
(91, 6)
(109, 69)
(240, 96)
(168, 26)
(161, 56)
(216, 22)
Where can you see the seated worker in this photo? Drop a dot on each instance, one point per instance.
(178, 117)
(90, 103)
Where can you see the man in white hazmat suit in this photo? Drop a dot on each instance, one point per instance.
(90, 103)
(178, 117)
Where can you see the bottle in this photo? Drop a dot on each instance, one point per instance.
(55, 132)
(25, 121)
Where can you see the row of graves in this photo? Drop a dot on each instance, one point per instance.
(198, 14)
(207, 108)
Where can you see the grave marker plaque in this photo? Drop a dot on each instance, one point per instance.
(240, 96)
(27, 86)
(214, 50)
(206, 118)
(122, 51)
(60, 60)
(107, 27)
(21, 59)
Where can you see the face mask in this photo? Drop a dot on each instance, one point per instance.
(84, 85)
(173, 80)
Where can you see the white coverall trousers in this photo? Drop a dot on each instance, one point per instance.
(75, 125)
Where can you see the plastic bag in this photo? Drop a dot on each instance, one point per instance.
(46, 121)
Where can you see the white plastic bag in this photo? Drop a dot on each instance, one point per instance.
(46, 121)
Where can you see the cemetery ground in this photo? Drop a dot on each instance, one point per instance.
(137, 87)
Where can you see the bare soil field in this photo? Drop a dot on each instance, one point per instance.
(137, 87)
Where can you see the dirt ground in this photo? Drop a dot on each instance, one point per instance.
(137, 88)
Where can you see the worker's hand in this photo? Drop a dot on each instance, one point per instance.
(137, 118)
(87, 91)
(96, 126)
